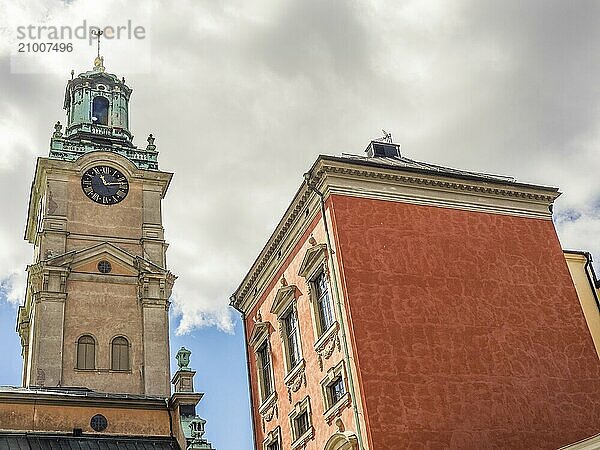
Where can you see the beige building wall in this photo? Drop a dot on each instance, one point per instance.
(85, 298)
(579, 264)
(28, 413)
(68, 297)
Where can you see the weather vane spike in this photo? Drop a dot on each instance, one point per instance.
(387, 137)
(99, 61)
(98, 33)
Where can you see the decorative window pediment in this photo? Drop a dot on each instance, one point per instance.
(327, 343)
(284, 307)
(283, 299)
(103, 250)
(81, 259)
(295, 378)
(273, 440)
(313, 258)
(314, 268)
(260, 332)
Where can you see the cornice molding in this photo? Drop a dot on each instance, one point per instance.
(443, 181)
(81, 399)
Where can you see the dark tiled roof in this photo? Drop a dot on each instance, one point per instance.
(74, 392)
(17, 441)
(407, 163)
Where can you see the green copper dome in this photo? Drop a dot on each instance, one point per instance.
(97, 105)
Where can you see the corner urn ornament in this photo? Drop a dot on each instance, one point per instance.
(183, 358)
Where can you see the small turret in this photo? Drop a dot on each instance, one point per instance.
(184, 402)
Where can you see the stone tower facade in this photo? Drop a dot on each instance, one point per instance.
(97, 298)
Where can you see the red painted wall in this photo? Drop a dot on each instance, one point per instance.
(467, 328)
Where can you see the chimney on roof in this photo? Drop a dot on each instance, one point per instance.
(377, 149)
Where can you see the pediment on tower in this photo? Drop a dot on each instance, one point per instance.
(94, 260)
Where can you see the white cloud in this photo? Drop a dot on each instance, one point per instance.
(579, 230)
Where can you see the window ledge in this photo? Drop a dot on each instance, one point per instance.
(327, 343)
(336, 409)
(295, 378)
(299, 367)
(302, 440)
(268, 408)
(100, 370)
(331, 331)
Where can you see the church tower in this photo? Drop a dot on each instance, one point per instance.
(97, 298)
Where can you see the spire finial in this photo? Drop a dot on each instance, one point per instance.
(151, 147)
(183, 359)
(99, 61)
(57, 130)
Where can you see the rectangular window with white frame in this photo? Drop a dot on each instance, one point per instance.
(285, 308)
(260, 342)
(322, 300)
(335, 392)
(265, 370)
(292, 337)
(315, 270)
(301, 423)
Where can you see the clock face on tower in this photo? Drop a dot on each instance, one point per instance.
(105, 185)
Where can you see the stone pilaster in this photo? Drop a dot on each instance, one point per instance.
(45, 312)
(155, 247)
(154, 293)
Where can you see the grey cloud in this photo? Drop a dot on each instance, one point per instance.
(242, 98)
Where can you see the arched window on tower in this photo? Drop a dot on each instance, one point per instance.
(100, 110)
(120, 354)
(86, 352)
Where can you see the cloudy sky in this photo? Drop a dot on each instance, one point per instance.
(242, 96)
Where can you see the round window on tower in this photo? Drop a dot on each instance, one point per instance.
(104, 266)
(98, 423)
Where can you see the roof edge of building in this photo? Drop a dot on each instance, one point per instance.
(76, 396)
